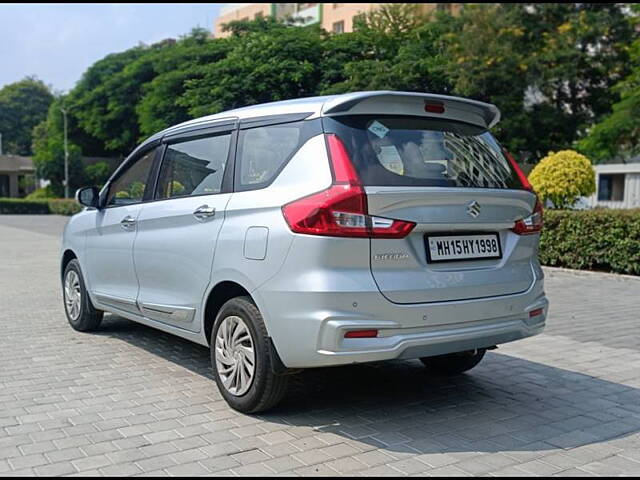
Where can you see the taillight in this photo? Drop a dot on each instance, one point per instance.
(533, 223)
(341, 210)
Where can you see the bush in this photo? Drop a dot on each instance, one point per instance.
(600, 239)
(563, 177)
(40, 193)
(64, 206)
(20, 206)
(23, 206)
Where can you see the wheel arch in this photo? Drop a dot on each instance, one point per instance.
(67, 256)
(218, 296)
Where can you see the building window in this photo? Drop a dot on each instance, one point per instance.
(338, 27)
(611, 187)
(4, 186)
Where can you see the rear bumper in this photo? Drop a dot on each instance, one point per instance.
(436, 341)
(308, 327)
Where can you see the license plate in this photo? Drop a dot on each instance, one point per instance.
(447, 248)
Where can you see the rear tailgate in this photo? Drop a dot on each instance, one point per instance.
(405, 273)
(452, 179)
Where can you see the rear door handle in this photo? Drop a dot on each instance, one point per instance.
(128, 222)
(204, 211)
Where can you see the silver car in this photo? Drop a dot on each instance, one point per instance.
(314, 232)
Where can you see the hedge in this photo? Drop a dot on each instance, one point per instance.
(599, 239)
(20, 206)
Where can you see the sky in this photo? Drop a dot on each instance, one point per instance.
(58, 42)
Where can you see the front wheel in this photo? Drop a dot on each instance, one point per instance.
(454, 363)
(81, 314)
(241, 360)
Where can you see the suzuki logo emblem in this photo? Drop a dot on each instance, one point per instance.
(473, 209)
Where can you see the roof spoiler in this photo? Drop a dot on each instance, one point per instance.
(482, 114)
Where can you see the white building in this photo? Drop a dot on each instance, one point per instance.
(617, 186)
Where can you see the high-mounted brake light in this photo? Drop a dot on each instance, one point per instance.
(533, 223)
(433, 107)
(341, 210)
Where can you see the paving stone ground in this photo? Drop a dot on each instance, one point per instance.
(130, 400)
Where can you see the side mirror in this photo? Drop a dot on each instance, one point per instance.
(88, 196)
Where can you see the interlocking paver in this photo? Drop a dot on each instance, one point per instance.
(130, 400)
(187, 469)
(55, 469)
(91, 463)
(283, 464)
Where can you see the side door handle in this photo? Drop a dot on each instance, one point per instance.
(203, 212)
(128, 222)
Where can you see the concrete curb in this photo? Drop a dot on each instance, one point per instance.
(587, 273)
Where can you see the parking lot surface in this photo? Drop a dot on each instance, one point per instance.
(130, 400)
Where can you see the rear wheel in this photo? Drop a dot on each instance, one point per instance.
(454, 363)
(81, 314)
(241, 360)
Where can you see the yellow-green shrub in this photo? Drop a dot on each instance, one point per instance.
(563, 177)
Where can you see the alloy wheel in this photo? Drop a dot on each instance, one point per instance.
(72, 295)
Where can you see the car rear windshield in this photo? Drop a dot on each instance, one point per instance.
(416, 151)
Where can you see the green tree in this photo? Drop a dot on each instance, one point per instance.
(49, 162)
(393, 19)
(98, 173)
(186, 60)
(581, 52)
(239, 28)
(549, 67)
(23, 105)
(260, 67)
(487, 59)
(618, 134)
(392, 48)
(103, 102)
(48, 148)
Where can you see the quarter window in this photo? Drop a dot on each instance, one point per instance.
(130, 186)
(194, 167)
(263, 151)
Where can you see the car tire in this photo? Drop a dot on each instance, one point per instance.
(454, 363)
(81, 314)
(237, 331)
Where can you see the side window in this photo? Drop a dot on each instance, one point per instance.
(194, 167)
(129, 187)
(263, 152)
